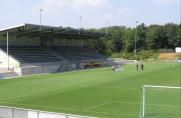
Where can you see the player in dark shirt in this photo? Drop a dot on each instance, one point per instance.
(137, 66)
(142, 66)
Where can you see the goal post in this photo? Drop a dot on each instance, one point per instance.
(160, 102)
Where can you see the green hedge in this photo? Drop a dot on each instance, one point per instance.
(142, 55)
(179, 58)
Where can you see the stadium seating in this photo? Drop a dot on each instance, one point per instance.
(49, 56)
(32, 54)
(78, 53)
(38, 59)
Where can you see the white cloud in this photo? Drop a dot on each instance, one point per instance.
(89, 3)
(125, 11)
(51, 5)
(94, 12)
(165, 2)
(64, 11)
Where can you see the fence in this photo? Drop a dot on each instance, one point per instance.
(1, 76)
(12, 112)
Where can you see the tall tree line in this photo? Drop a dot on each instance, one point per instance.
(122, 39)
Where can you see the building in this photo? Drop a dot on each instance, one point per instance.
(33, 49)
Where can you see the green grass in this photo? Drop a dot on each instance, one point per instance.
(98, 92)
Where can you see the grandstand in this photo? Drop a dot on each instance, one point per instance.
(33, 49)
(31, 54)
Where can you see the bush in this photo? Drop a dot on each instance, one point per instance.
(165, 50)
(117, 55)
(179, 57)
(142, 55)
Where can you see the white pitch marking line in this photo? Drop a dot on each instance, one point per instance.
(67, 109)
(40, 106)
(119, 88)
(95, 106)
(133, 103)
(58, 88)
(23, 95)
(106, 113)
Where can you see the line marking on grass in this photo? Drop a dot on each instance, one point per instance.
(95, 106)
(99, 112)
(48, 112)
(24, 95)
(39, 106)
(82, 82)
(132, 103)
(119, 88)
(58, 88)
(57, 108)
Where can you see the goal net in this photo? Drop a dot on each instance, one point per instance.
(160, 102)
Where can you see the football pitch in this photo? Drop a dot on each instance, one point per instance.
(97, 92)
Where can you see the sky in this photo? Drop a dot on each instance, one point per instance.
(94, 13)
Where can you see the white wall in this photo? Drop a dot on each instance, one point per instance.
(20, 113)
(48, 115)
(44, 69)
(36, 69)
(32, 114)
(178, 49)
(13, 63)
(7, 112)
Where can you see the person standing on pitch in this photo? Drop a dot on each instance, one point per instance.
(142, 66)
(137, 66)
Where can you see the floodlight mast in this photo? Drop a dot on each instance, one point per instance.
(180, 12)
(80, 25)
(7, 49)
(136, 38)
(41, 10)
(106, 27)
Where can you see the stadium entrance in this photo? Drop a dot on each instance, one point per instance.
(33, 49)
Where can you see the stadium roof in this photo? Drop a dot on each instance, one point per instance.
(42, 32)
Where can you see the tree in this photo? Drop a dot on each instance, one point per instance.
(172, 33)
(151, 37)
(156, 37)
(129, 38)
(141, 36)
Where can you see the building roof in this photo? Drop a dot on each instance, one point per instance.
(33, 30)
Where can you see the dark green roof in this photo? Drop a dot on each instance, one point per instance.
(33, 30)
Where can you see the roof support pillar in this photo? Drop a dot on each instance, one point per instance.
(7, 50)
